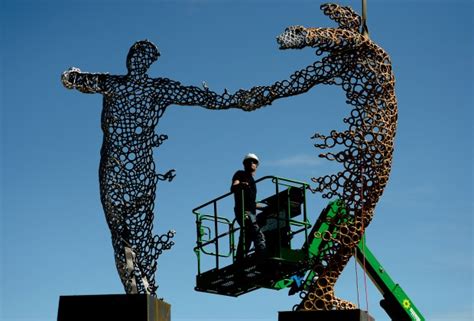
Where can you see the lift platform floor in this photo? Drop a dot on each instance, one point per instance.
(248, 275)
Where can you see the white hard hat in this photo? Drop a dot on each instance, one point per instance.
(251, 156)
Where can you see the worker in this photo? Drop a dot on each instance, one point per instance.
(245, 194)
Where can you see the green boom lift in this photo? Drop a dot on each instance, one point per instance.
(282, 267)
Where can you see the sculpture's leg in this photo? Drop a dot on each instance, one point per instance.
(124, 258)
(129, 215)
(320, 295)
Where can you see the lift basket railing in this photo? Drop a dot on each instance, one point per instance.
(216, 233)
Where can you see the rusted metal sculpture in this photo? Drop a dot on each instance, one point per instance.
(133, 106)
(363, 70)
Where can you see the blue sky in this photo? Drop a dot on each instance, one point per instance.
(53, 236)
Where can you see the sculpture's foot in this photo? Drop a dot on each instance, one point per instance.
(341, 304)
(327, 302)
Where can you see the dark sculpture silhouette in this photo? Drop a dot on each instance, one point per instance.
(133, 105)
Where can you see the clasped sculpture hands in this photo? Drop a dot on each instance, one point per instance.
(256, 97)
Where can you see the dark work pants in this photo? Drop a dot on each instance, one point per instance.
(252, 234)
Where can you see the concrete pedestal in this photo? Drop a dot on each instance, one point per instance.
(343, 315)
(137, 307)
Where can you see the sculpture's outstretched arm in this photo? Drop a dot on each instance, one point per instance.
(299, 82)
(196, 96)
(87, 83)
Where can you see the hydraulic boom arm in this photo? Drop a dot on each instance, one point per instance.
(396, 302)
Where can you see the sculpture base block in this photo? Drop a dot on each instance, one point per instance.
(342, 315)
(125, 307)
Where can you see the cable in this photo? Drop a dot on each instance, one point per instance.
(363, 238)
(357, 277)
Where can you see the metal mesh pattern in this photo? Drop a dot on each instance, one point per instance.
(364, 72)
(133, 105)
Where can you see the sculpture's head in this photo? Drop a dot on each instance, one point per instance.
(324, 39)
(140, 57)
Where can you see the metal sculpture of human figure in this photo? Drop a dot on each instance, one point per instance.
(132, 106)
(351, 60)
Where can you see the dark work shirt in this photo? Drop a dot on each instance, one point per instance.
(249, 192)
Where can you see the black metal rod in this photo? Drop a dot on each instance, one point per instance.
(216, 233)
(278, 217)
